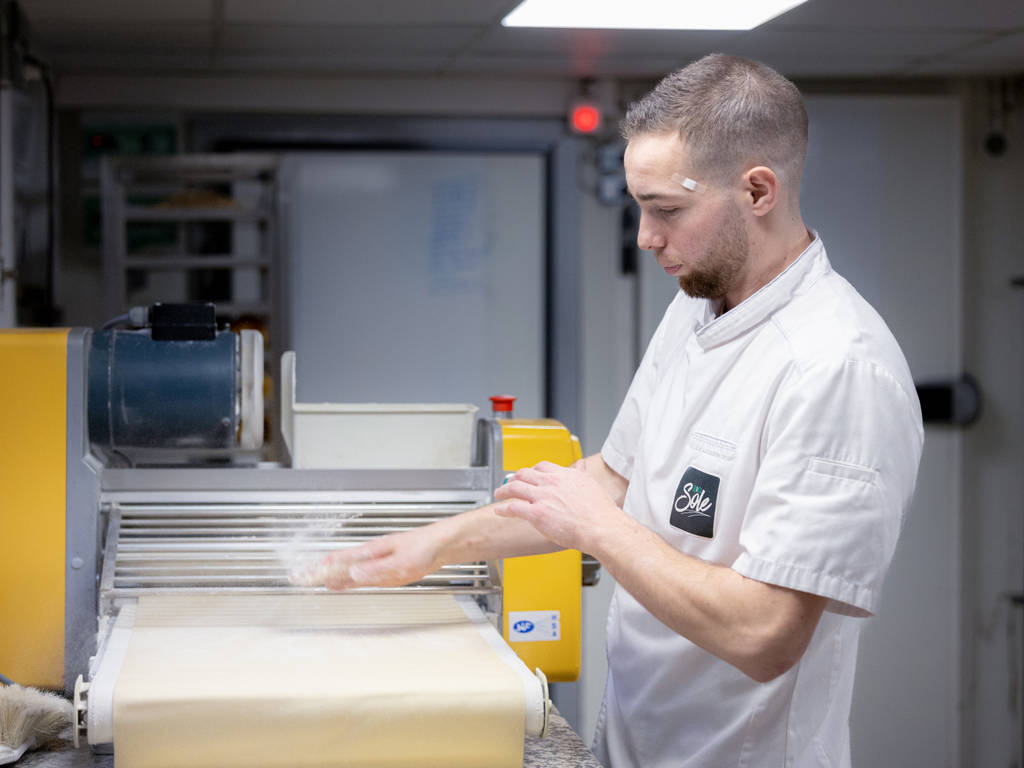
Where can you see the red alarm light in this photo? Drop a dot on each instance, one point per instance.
(585, 118)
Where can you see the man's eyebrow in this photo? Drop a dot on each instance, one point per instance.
(645, 197)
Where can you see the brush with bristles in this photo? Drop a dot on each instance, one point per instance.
(29, 718)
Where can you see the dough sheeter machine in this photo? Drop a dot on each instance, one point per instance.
(134, 473)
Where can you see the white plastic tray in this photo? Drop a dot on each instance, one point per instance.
(374, 435)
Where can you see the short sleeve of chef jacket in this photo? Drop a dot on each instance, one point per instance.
(619, 449)
(839, 458)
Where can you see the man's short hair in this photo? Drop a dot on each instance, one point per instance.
(732, 114)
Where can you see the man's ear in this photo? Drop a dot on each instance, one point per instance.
(761, 187)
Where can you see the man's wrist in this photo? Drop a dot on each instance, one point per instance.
(447, 540)
(464, 537)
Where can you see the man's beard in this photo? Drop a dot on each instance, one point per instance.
(715, 273)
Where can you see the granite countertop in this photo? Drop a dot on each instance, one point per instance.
(560, 748)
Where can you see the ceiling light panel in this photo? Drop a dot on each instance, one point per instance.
(646, 14)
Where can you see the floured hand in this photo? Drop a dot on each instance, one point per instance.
(389, 561)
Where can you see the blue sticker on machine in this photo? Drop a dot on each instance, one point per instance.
(695, 503)
(534, 626)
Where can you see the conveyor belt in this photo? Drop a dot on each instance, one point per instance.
(309, 679)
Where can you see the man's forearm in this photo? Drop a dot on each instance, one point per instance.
(407, 556)
(482, 535)
(759, 628)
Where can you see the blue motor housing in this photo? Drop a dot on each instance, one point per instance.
(173, 394)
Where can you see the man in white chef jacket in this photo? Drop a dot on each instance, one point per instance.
(749, 496)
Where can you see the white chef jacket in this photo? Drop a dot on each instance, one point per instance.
(781, 439)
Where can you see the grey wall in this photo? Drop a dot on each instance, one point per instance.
(883, 186)
(993, 450)
(416, 276)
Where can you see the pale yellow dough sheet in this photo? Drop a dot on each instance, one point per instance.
(313, 680)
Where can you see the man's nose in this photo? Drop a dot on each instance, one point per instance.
(648, 237)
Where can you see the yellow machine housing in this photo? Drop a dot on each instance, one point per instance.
(543, 583)
(33, 394)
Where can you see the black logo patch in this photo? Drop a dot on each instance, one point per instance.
(693, 508)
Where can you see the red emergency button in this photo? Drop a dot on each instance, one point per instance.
(502, 404)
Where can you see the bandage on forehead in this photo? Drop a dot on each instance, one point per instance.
(687, 183)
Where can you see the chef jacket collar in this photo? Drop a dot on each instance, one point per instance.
(808, 267)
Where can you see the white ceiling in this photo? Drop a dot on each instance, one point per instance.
(822, 38)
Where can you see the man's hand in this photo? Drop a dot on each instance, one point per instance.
(389, 561)
(567, 505)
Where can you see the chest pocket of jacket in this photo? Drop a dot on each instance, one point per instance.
(696, 499)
